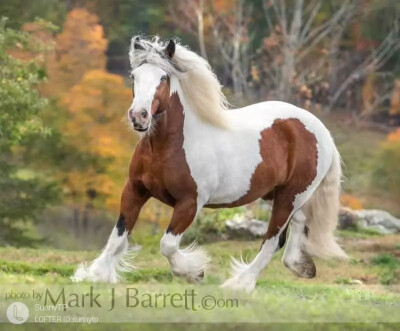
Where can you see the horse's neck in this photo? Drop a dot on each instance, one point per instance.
(178, 120)
(191, 119)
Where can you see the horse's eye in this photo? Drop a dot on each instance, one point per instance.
(163, 78)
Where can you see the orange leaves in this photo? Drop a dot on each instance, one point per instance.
(80, 47)
(351, 202)
(81, 31)
(96, 106)
(393, 137)
(93, 103)
(395, 99)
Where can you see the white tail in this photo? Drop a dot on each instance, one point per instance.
(321, 211)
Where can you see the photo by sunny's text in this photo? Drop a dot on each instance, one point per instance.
(132, 297)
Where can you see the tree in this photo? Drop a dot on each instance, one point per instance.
(188, 15)
(229, 26)
(95, 109)
(297, 32)
(79, 47)
(21, 11)
(315, 44)
(23, 192)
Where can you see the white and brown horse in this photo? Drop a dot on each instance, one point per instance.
(195, 153)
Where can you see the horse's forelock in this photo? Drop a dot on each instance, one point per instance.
(144, 50)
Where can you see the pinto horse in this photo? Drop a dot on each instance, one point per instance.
(194, 152)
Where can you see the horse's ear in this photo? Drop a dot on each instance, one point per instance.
(136, 43)
(170, 49)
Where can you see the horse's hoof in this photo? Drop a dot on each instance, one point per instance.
(304, 268)
(196, 278)
(191, 278)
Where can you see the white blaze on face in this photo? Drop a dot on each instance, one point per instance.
(147, 78)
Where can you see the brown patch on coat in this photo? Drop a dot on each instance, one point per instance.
(161, 98)
(289, 153)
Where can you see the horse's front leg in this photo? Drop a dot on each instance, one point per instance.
(191, 261)
(113, 259)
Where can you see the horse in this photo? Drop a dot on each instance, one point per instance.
(194, 152)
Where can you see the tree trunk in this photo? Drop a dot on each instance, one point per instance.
(289, 53)
(200, 29)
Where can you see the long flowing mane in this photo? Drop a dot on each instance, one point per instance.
(199, 83)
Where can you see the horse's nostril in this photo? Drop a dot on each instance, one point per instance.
(133, 120)
(144, 114)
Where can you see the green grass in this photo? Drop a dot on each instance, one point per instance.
(354, 292)
(35, 270)
(358, 233)
(390, 268)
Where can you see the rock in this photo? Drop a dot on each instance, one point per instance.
(347, 218)
(242, 227)
(246, 227)
(377, 220)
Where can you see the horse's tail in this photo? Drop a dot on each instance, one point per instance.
(321, 211)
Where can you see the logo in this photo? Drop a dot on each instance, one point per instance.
(17, 313)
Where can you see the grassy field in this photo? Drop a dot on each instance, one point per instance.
(365, 290)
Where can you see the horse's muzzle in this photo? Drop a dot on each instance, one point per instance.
(139, 128)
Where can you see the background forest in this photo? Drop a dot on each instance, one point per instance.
(65, 89)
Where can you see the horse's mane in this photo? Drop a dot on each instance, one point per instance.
(199, 83)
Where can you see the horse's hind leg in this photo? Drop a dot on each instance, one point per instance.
(244, 276)
(295, 257)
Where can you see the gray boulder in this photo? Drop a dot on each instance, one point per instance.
(374, 219)
(247, 228)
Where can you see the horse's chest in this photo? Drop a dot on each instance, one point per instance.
(222, 164)
(167, 177)
(150, 170)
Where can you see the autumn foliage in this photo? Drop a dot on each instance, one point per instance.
(350, 201)
(78, 48)
(88, 110)
(96, 107)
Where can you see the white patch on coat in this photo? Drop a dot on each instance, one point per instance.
(114, 259)
(189, 262)
(146, 80)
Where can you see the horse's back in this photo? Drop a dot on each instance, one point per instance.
(224, 162)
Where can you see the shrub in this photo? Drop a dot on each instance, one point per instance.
(210, 225)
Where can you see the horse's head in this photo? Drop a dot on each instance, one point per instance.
(151, 91)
